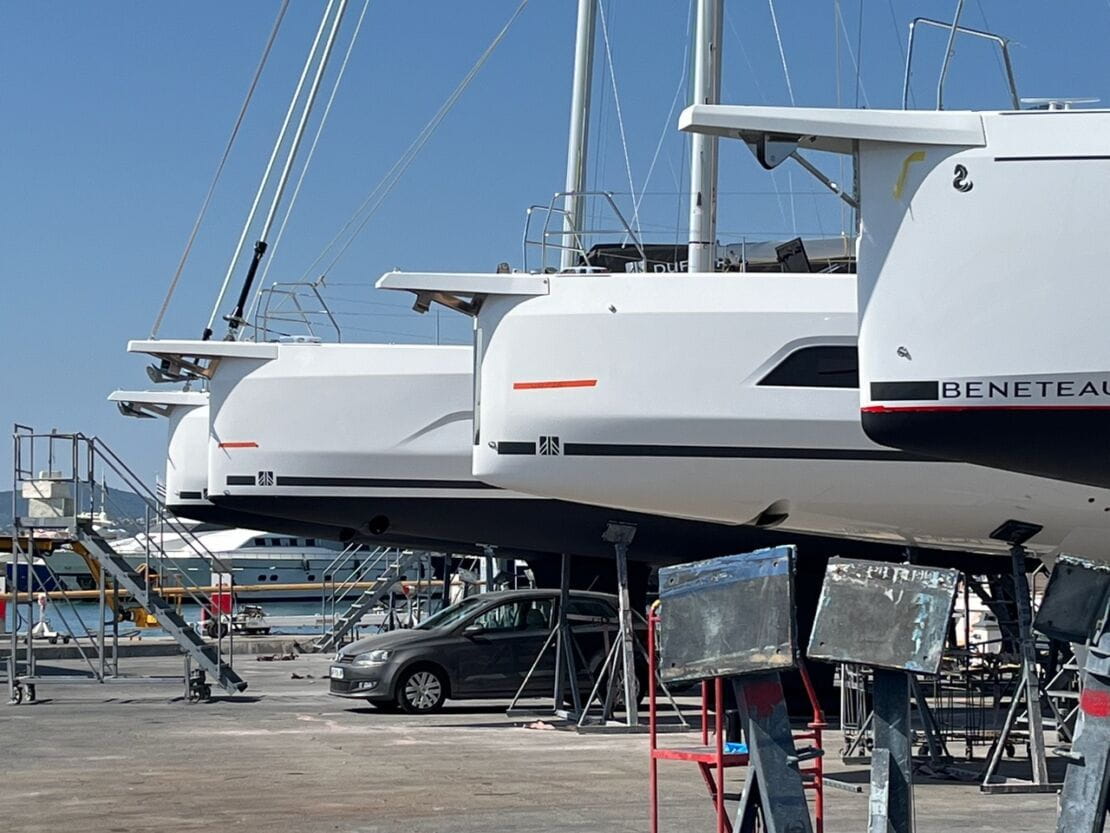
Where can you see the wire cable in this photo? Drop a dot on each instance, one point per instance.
(219, 169)
(782, 52)
(620, 122)
(308, 157)
(382, 190)
(269, 167)
(667, 128)
(855, 64)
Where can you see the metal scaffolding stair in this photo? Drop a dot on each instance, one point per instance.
(369, 598)
(206, 657)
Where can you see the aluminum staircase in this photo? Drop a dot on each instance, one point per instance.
(369, 598)
(207, 657)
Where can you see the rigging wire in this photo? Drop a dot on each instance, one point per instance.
(995, 52)
(859, 48)
(667, 128)
(306, 112)
(269, 168)
(790, 90)
(852, 55)
(763, 99)
(219, 169)
(354, 226)
(601, 135)
(310, 155)
(620, 122)
(782, 52)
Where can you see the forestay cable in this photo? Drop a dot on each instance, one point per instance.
(354, 226)
(667, 124)
(309, 156)
(219, 169)
(855, 63)
(235, 319)
(620, 122)
(269, 169)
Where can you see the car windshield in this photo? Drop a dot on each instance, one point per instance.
(450, 616)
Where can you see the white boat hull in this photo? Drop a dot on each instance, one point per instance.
(650, 388)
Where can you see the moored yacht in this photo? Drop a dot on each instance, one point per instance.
(254, 557)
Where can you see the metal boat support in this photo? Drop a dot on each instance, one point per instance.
(735, 616)
(894, 618)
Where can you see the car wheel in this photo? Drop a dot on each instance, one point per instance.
(421, 690)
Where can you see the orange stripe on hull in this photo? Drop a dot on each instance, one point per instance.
(564, 383)
(239, 445)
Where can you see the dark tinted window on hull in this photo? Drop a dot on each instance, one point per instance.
(820, 366)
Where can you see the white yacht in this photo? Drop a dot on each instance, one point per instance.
(729, 398)
(254, 557)
(389, 461)
(981, 291)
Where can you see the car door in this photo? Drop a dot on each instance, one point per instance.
(486, 658)
(531, 638)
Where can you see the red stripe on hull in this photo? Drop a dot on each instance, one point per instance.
(943, 409)
(565, 383)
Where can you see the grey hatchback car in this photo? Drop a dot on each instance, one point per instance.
(481, 647)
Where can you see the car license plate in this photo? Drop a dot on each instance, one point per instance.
(336, 673)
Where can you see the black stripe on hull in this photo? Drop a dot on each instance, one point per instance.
(726, 452)
(527, 528)
(1065, 444)
(732, 452)
(378, 483)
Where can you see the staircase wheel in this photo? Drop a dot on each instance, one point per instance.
(206, 692)
(17, 696)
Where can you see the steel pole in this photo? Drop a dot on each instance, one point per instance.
(627, 635)
(703, 148)
(579, 131)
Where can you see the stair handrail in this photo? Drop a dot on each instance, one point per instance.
(341, 590)
(330, 637)
(97, 449)
(94, 449)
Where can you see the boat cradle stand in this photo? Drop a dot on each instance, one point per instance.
(904, 610)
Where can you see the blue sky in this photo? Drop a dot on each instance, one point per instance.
(115, 114)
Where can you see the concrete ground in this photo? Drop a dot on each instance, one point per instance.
(291, 758)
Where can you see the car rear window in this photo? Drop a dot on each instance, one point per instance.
(590, 608)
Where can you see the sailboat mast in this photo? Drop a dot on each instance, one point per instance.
(703, 148)
(574, 202)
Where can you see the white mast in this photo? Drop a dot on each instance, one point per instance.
(579, 130)
(703, 148)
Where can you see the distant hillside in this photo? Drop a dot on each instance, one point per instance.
(125, 508)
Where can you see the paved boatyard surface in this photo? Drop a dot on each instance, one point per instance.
(291, 758)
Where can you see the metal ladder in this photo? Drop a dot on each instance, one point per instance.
(74, 463)
(206, 657)
(369, 598)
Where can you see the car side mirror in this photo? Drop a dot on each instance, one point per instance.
(473, 630)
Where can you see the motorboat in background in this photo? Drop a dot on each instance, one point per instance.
(255, 558)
